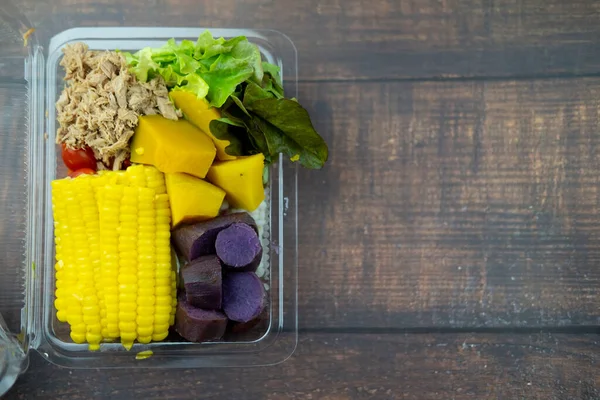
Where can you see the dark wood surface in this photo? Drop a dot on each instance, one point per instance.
(450, 248)
(453, 204)
(344, 366)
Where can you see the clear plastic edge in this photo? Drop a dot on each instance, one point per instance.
(42, 164)
(14, 347)
(30, 317)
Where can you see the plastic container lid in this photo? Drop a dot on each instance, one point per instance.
(14, 128)
(30, 83)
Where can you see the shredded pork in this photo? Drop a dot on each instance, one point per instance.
(102, 101)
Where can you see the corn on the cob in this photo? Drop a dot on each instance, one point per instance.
(89, 261)
(76, 224)
(163, 289)
(76, 266)
(64, 280)
(128, 260)
(110, 201)
(113, 257)
(96, 183)
(155, 180)
(146, 265)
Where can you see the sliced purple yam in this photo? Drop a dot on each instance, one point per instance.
(243, 296)
(238, 246)
(195, 240)
(243, 327)
(198, 325)
(201, 280)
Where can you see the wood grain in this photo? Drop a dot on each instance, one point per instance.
(381, 39)
(469, 204)
(461, 194)
(347, 367)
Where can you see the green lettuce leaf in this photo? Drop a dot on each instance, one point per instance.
(192, 83)
(272, 69)
(225, 74)
(142, 64)
(275, 125)
(254, 92)
(288, 129)
(271, 86)
(207, 46)
(248, 52)
(259, 139)
(240, 105)
(235, 132)
(228, 70)
(272, 80)
(210, 67)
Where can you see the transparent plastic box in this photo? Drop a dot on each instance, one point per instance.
(31, 80)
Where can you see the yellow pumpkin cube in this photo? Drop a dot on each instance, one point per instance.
(241, 179)
(199, 113)
(172, 146)
(192, 199)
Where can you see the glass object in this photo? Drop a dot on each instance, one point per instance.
(13, 360)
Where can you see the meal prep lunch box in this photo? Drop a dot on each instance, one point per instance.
(30, 82)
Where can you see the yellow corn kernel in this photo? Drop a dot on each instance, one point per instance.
(164, 297)
(144, 291)
(127, 328)
(127, 339)
(127, 277)
(78, 337)
(144, 339)
(127, 316)
(76, 230)
(110, 203)
(163, 303)
(155, 180)
(136, 175)
(164, 291)
(162, 319)
(65, 281)
(89, 262)
(147, 320)
(146, 262)
(145, 332)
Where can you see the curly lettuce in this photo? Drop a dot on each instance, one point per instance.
(210, 67)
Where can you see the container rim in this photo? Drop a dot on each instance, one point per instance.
(275, 46)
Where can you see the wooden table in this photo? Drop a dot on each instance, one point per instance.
(450, 248)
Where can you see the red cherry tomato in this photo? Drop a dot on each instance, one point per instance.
(82, 171)
(78, 158)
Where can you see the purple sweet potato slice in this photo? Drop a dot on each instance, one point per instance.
(201, 280)
(198, 325)
(195, 240)
(243, 296)
(238, 246)
(243, 327)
